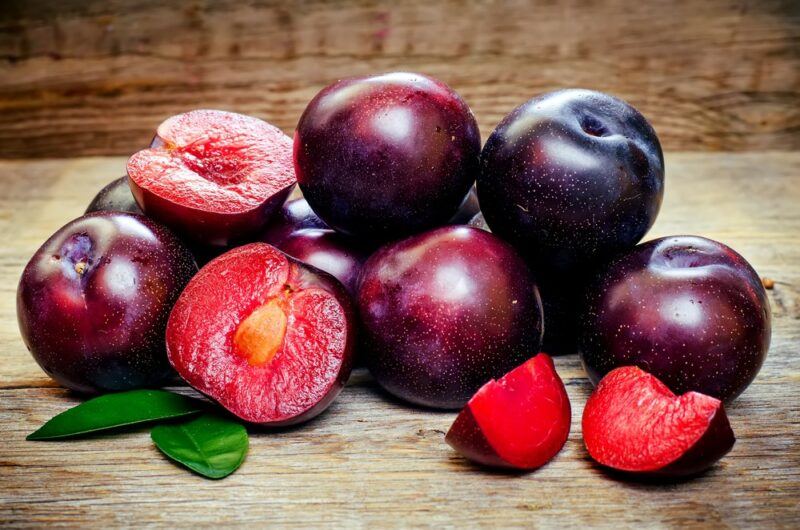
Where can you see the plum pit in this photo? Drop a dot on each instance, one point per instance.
(259, 337)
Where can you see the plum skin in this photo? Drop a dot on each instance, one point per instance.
(213, 230)
(116, 196)
(297, 231)
(571, 177)
(329, 251)
(468, 209)
(94, 300)
(687, 309)
(563, 298)
(386, 156)
(294, 215)
(444, 312)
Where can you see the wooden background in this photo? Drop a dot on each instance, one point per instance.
(88, 77)
(719, 79)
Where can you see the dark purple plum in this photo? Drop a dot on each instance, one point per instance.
(571, 177)
(444, 312)
(329, 251)
(469, 208)
(93, 301)
(689, 310)
(115, 197)
(386, 156)
(294, 215)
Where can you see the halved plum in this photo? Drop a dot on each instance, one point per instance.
(215, 177)
(635, 424)
(266, 336)
(519, 421)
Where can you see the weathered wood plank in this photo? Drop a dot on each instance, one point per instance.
(96, 77)
(356, 466)
(372, 462)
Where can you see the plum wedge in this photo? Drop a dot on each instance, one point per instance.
(520, 421)
(635, 424)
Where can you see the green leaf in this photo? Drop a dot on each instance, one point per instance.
(209, 445)
(112, 411)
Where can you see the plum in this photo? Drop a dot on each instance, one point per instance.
(298, 231)
(329, 251)
(689, 310)
(386, 156)
(93, 301)
(520, 421)
(633, 423)
(294, 215)
(266, 336)
(115, 197)
(570, 178)
(215, 177)
(445, 311)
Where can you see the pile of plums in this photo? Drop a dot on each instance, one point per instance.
(388, 260)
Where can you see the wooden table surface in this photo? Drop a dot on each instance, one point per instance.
(372, 462)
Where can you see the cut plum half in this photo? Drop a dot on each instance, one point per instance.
(634, 423)
(215, 177)
(267, 337)
(520, 421)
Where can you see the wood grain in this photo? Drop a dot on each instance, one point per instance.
(88, 77)
(372, 462)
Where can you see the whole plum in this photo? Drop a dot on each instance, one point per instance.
(445, 311)
(93, 301)
(294, 215)
(570, 178)
(116, 196)
(327, 250)
(386, 156)
(689, 310)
